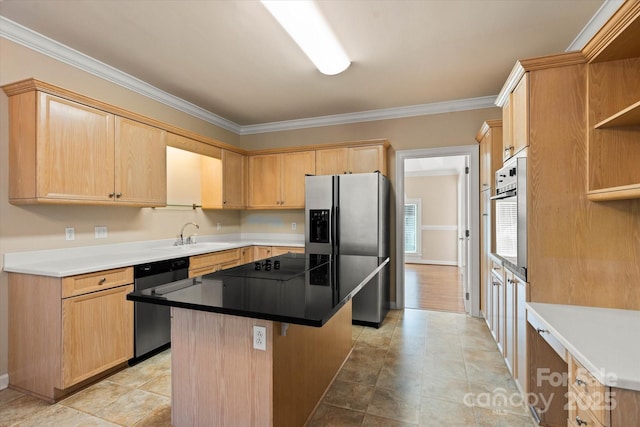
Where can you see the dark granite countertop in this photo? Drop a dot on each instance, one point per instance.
(305, 289)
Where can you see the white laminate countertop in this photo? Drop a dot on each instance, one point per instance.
(605, 341)
(88, 259)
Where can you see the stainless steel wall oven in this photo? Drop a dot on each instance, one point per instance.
(511, 215)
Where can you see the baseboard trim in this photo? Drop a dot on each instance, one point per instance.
(4, 381)
(432, 262)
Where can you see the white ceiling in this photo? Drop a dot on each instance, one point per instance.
(231, 59)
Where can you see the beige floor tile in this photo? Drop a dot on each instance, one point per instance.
(20, 409)
(8, 395)
(490, 418)
(159, 417)
(401, 380)
(95, 398)
(349, 395)
(505, 399)
(446, 388)
(331, 416)
(436, 412)
(373, 421)
(396, 406)
(141, 373)
(58, 415)
(159, 385)
(132, 407)
(367, 375)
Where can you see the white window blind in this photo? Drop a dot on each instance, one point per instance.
(411, 228)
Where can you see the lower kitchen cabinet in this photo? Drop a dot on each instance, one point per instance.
(64, 332)
(281, 250)
(215, 261)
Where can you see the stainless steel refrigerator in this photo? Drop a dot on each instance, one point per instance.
(349, 215)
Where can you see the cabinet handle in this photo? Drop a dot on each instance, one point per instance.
(496, 284)
(118, 195)
(101, 282)
(580, 421)
(111, 195)
(580, 382)
(542, 331)
(224, 202)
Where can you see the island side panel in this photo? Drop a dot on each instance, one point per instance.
(305, 362)
(217, 377)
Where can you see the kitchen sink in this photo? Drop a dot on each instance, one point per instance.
(194, 247)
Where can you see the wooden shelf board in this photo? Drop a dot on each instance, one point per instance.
(630, 116)
(622, 192)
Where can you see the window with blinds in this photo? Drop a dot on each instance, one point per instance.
(411, 228)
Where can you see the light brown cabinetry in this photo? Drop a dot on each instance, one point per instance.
(497, 304)
(515, 118)
(277, 180)
(246, 255)
(234, 180)
(356, 159)
(62, 151)
(261, 252)
(79, 327)
(614, 108)
(212, 262)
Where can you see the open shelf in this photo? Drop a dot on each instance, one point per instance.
(630, 116)
(622, 192)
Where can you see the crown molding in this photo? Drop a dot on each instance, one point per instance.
(26, 37)
(49, 47)
(597, 21)
(373, 115)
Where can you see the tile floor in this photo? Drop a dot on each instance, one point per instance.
(421, 368)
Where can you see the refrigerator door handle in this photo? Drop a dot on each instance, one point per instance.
(336, 229)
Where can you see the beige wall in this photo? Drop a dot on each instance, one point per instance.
(439, 195)
(42, 227)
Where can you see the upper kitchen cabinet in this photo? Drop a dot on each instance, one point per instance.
(140, 164)
(354, 158)
(199, 174)
(515, 117)
(490, 138)
(277, 180)
(613, 57)
(63, 150)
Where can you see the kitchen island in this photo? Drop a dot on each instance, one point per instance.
(303, 302)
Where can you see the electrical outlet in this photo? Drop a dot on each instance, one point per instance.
(70, 233)
(218, 226)
(101, 232)
(260, 338)
(294, 226)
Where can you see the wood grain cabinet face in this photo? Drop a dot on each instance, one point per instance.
(214, 261)
(277, 180)
(261, 252)
(74, 149)
(515, 119)
(357, 159)
(234, 180)
(68, 152)
(97, 333)
(141, 164)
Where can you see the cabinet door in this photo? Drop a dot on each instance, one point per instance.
(507, 130)
(234, 180)
(261, 252)
(520, 114)
(332, 161)
(485, 162)
(510, 322)
(281, 250)
(264, 181)
(246, 255)
(75, 151)
(294, 168)
(485, 261)
(140, 164)
(97, 333)
(367, 159)
(522, 296)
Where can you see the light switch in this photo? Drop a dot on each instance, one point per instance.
(101, 232)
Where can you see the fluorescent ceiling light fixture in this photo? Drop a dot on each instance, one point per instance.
(307, 27)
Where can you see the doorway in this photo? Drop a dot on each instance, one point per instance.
(437, 225)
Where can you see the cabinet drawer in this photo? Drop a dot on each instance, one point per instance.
(580, 415)
(497, 270)
(541, 328)
(100, 280)
(215, 258)
(589, 390)
(195, 272)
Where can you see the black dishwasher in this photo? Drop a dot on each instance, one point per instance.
(151, 322)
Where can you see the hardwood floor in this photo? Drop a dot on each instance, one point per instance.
(433, 287)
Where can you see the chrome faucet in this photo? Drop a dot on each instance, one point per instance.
(189, 240)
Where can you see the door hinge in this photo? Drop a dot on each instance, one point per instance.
(467, 233)
(466, 170)
(467, 296)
